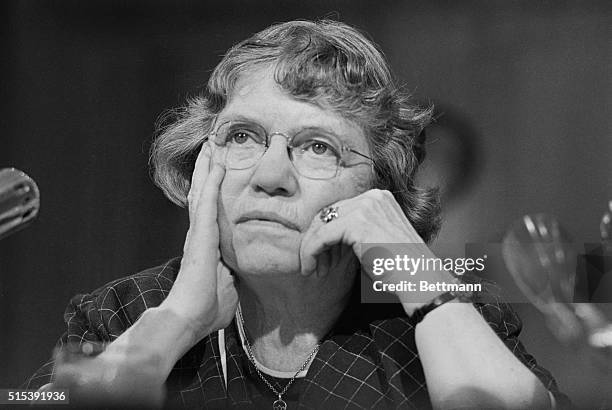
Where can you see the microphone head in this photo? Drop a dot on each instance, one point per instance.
(19, 201)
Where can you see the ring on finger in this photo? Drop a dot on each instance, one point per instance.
(329, 213)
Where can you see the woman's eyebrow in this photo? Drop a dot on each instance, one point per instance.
(238, 117)
(293, 129)
(326, 129)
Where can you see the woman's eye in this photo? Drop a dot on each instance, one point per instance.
(319, 148)
(239, 137)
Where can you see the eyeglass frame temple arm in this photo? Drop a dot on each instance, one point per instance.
(359, 153)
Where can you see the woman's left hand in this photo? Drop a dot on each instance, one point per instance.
(371, 217)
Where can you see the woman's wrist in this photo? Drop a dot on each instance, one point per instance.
(412, 295)
(429, 290)
(160, 336)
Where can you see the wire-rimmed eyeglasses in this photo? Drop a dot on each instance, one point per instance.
(315, 153)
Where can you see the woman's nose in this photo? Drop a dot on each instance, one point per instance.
(275, 173)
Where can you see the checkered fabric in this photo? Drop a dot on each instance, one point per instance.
(369, 360)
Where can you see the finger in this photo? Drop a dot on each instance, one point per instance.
(200, 173)
(324, 263)
(318, 240)
(309, 261)
(225, 281)
(209, 193)
(312, 245)
(204, 230)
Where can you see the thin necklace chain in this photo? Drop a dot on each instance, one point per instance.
(252, 359)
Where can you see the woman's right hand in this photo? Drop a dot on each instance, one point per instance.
(204, 294)
(133, 368)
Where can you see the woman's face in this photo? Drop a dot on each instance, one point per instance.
(265, 210)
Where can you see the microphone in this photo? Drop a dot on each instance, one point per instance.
(19, 201)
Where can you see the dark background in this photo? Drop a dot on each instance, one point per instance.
(524, 95)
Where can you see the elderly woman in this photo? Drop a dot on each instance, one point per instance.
(301, 150)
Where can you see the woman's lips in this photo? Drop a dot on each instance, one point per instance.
(262, 223)
(266, 219)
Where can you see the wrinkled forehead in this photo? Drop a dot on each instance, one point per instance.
(256, 96)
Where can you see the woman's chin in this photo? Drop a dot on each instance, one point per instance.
(271, 262)
(264, 256)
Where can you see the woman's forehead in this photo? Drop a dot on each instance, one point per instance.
(257, 97)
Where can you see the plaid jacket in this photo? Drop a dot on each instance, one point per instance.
(370, 359)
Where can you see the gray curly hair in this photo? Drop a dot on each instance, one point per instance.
(327, 63)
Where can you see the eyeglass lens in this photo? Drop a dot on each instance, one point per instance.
(313, 154)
